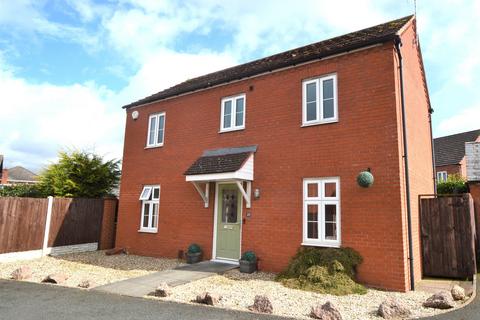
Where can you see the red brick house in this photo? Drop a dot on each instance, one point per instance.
(265, 156)
(450, 153)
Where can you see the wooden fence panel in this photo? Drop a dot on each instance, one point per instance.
(22, 223)
(448, 232)
(75, 221)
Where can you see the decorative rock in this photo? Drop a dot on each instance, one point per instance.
(325, 312)
(458, 293)
(261, 304)
(115, 251)
(56, 278)
(22, 273)
(163, 290)
(87, 284)
(393, 309)
(440, 300)
(208, 298)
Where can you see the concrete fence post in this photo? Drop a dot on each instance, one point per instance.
(47, 226)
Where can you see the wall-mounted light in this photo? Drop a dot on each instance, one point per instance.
(135, 115)
(256, 194)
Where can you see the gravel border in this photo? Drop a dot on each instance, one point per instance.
(94, 266)
(238, 291)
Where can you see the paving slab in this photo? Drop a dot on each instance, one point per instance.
(141, 286)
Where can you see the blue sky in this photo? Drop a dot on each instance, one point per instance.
(67, 67)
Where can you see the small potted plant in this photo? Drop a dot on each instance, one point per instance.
(194, 253)
(248, 262)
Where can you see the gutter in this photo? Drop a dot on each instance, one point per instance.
(398, 44)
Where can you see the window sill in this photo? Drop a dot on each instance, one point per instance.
(230, 130)
(320, 244)
(154, 146)
(316, 123)
(148, 230)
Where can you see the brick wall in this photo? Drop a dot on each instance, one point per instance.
(421, 170)
(451, 169)
(107, 232)
(366, 136)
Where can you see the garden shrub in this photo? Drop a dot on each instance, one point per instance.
(323, 270)
(22, 190)
(455, 184)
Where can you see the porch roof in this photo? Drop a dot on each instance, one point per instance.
(223, 164)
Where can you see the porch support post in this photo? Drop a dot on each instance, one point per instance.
(203, 194)
(246, 194)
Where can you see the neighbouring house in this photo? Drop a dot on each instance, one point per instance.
(16, 175)
(264, 156)
(450, 154)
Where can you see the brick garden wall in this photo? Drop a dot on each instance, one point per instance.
(366, 136)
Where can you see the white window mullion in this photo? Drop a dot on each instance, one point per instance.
(150, 214)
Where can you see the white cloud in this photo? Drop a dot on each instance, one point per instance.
(464, 120)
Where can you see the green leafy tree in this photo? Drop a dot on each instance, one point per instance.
(455, 184)
(80, 174)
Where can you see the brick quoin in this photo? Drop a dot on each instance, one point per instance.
(367, 135)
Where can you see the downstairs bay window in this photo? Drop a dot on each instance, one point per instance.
(321, 212)
(150, 198)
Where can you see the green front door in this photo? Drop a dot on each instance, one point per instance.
(229, 217)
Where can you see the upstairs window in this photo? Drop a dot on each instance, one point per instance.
(150, 198)
(321, 212)
(320, 100)
(442, 176)
(233, 113)
(156, 130)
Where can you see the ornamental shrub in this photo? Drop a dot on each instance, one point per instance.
(249, 256)
(194, 248)
(455, 184)
(323, 270)
(22, 190)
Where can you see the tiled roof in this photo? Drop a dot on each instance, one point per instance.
(351, 41)
(218, 163)
(19, 173)
(451, 149)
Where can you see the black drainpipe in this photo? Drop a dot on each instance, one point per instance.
(398, 44)
(430, 111)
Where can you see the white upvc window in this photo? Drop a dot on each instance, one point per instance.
(319, 100)
(233, 113)
(321, 212)
(150, 198)
(156, 130)
(442, 176)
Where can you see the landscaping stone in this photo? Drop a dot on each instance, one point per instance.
(393, 309)
(85, 284)
(22, 273)
(458, 293)
(115, 251)
(261, 304)
(208, 298)
(163, 290)
(440, 300)
(325, 312)
(56, 278)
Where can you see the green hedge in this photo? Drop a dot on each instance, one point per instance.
(455, 184)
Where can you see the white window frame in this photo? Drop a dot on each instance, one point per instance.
(155, 140)
(319, 101)
(321, 201)
(442, 176)
(233, 118)
(151, 201)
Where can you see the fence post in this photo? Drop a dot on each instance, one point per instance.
(47, 226)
